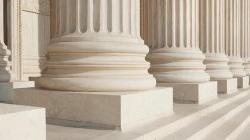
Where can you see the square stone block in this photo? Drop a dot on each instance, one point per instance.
(22, 123)
(193, 93)
(109, 110)
(243, 82)
(7, 89)
(227, 86)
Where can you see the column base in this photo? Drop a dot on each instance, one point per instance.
(22, 123)
(193, 92)
(243, 82)
(227, 86)
(6, 89)
(109, 110)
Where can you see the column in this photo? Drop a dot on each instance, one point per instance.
(96, 46)
(212, 37)
(171, 30)
(245, 48)
(233, 41)
(4, 52)
(212, 43)
(96, 71)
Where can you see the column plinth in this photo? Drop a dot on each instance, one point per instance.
(247, 66)
(217, 66)
(176, 65)
(236, 66)
(97, 63)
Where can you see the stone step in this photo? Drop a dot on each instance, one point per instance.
(241, 132)
(185, 115)
(205, 124)
(231, 128)
(22, 122)
(202, 134)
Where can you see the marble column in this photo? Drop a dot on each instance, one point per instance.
(5, 72)
(212, 38)
(96, 71)
(233, 41)
(4, 52)
(171, 30)
(245, 46)
(96, 46)
(212, 43)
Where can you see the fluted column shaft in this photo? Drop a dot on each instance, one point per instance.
(233, 37)
(4, 52)
(245, 46)
(171, 29)
(96, 46)
(212, 38)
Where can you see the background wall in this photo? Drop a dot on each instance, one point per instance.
(35, 36)
(29, 35)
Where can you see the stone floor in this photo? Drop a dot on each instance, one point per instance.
(225, 118)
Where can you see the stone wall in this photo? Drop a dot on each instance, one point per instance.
(35, 36)
(28, 36)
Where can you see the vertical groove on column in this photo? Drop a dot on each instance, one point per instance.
(103, 16)
(188, 25)
(78, 21)
(167, 21)
(67, 30)
(173, 16)
(133, 18)
(192, 5)
(115, 16)
(56, 19)
(181, 24)
(90, 13)
(159, 24)
(125, 20)
(61, 17)
(138, 21)
(154, 26)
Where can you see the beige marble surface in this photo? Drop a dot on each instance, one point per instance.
(227, 86)
(221, 117)
(114, 110)
(22, 123)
